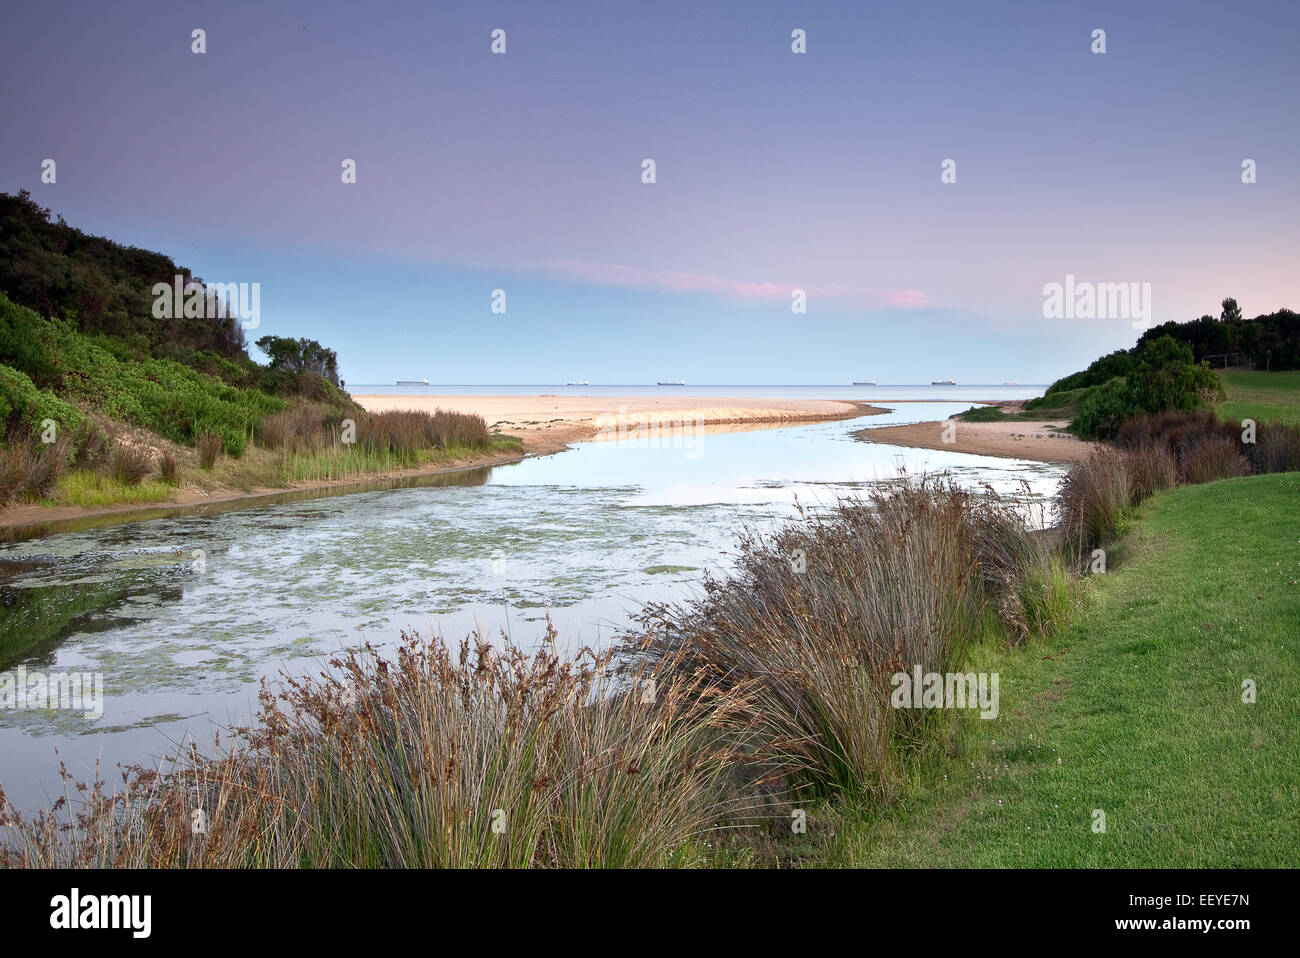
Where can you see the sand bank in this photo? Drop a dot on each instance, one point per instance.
(1016, 439)
(548, 423)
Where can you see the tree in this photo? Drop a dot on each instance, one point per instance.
(1231, 311)
(300, 355)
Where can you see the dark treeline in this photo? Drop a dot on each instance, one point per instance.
(1271, 341)
(106, 291)
(101, 286)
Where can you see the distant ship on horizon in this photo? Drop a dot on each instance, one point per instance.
(943, 382)
(577, 382)
(865, 382)
(413, 382)
(675, 382)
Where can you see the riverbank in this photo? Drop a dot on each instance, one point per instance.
(1199, 597)
(1040, 440)
(543, 425)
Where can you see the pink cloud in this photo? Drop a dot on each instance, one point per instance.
(845, 297)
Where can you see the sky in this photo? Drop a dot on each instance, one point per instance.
(819, 171)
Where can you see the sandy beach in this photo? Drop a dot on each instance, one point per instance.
(1017, 439)
(548, 423)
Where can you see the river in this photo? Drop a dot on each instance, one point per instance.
(183, 615)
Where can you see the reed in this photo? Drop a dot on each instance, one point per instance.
(1094, 498)
(209, 445)
(30, 471)
(818, 617)
(481, 756)
(129, 464)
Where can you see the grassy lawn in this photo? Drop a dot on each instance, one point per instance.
(1261, 396)
(1135, 709)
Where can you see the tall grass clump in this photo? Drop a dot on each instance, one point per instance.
(30, 471)
(817, 618)
(129, 464)
(209, 447)
(1151, 469)
(1214, 457)
(1277, 447)
(479, 756)
(1093, 499)
(167, 468)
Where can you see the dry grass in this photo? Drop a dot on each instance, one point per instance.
(1277, 447)
(1093, 498)
(129, 464)
(167, 468)
(1151, 468)
(479, 756)
(1214, 457)
(209, 447)
(818, 618)
(30, 471)
(403, 435)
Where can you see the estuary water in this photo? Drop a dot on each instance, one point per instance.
(182, 616)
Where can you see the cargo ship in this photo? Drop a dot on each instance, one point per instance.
(943, 382)
(413, 382)
(676, 382)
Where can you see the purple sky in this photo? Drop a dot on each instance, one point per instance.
(820, 171)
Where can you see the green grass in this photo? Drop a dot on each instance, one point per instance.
(1062, 402)
(1135, 709)
(344, 462)
(85, 488)
(995, 414)
(1261, 396)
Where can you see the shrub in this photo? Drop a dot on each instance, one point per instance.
(1102, 410)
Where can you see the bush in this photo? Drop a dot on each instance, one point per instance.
(157, 394)
(23, 405)
(1102, 410)
(1163, 379)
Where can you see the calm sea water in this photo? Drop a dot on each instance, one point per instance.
(587, 535)
(962, 392)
